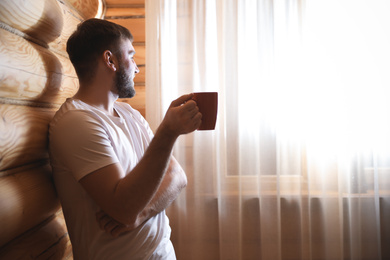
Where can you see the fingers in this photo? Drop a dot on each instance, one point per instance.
(194, 113)
(191, 107)
(197, 120)
(102, 219)
(105, 222)
(181, 100)
(109, 225)
(118, 230)
(182, 116)
(191, 116)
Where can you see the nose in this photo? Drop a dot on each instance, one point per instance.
(136, 67)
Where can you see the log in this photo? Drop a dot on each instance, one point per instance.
(40, 19)
(115, 12)
(31, 72)
(48, 240)
(46, 23)
(23, 135)
(26, 199)
(111, 3)
(140, 54)
(70, 20)
(140, 77)
(88, 8)
(136, 27)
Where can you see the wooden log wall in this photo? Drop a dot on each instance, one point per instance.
(36, 77)
(131, 14)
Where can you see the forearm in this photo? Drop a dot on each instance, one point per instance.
(173, 183)
(140, 187)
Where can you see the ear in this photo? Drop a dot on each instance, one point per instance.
(109, 60)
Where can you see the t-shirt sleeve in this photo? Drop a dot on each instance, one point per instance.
(82, 144)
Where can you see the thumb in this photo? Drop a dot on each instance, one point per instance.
(181, 100)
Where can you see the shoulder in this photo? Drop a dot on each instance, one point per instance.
(73, 118)
(74, 110)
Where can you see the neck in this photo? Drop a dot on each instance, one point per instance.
(97, 96)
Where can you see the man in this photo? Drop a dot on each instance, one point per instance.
(109, 169)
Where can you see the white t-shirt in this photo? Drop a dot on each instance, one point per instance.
(84, 139)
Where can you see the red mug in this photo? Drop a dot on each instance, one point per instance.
(207, 103)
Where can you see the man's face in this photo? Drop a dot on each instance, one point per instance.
(124, 78)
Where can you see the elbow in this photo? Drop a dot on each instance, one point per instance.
(126, 216)
(116, 223)
(131, 222)
(184, 181)
(180, 178)
(133, 219)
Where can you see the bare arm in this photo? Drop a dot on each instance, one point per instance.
(132, 199)
(174, 181)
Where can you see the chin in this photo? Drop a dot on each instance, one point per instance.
(125, 89)
(127, 94)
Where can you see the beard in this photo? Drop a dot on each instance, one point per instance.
(124, 84)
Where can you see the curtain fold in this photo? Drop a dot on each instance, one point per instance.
(298, 166)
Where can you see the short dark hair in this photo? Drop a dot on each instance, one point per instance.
(91, 38)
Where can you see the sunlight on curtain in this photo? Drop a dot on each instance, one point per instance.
(298, 166)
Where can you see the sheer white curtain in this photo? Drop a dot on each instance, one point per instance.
(298, 166)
